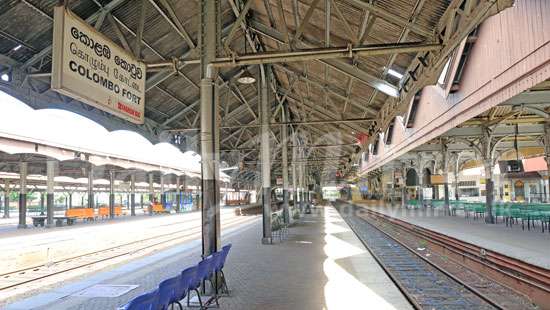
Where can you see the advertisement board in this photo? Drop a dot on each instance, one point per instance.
(437, 179)
(89, 67)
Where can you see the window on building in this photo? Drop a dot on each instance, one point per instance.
(467, 183)
(413, 110)
(375, 147)
(389, 132)
(442, 81)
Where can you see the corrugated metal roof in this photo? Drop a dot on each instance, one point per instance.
(30, 21)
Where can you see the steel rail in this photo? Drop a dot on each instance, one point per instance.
(469, 287)
(410, 297)
(521, 276)
(189, 232)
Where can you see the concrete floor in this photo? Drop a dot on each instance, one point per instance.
(530, 246)
(322, 265)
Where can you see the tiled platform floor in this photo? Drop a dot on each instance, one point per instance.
(322, 265)
(530, 246)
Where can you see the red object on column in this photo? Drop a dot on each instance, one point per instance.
(361, 137)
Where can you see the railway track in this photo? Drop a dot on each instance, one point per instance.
(530, 280)
(424, 285)
(17, 279)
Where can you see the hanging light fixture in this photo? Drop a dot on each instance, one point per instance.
(246, 77)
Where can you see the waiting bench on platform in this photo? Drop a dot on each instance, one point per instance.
(158, 208)
(41, 220)
(59, 220)
(81, 213)
(104, 211)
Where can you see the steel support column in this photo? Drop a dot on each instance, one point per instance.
(151, 195)
(455, 172)
(489, 189)
(284, 154)
(209, 39)
(90, 186)
(111, 194)
(547, 153)
(162, 191)
(306, 188)
(265, 156)
(301, 174)
(445, 168)
(184, 191)
(50, 173)
(300, 181)
(6, 199)
(488, 163)
(41, 203)
(404, 189)
(133, 194)
(178, 194)
(420, 173)
(294, 176)
(23, 168)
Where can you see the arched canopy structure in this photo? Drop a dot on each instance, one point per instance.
(66, 136)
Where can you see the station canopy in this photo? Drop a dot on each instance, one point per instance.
(64, 135)
(345, 69)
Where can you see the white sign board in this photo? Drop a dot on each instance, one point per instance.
(88, 66)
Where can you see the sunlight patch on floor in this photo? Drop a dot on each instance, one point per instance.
(343, 290)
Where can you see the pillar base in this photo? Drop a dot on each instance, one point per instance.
(22, 226)
(267, 241)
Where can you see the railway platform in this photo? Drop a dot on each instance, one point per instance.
(530, 246)
(320, 265)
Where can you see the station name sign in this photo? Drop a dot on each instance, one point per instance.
(89, 67)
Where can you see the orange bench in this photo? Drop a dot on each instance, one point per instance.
(104, 211)
(81, 213)
(158, 208)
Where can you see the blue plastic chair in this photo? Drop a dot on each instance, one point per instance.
(169, 291)
(225, 253)
(195, 279)
(147, 301)
(217, 260)
(206, 271)
(186, 276)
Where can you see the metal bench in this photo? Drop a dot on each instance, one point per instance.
(60, 219)
(38, 221)
(41, 220)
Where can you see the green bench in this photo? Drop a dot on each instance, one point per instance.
(413, 204)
